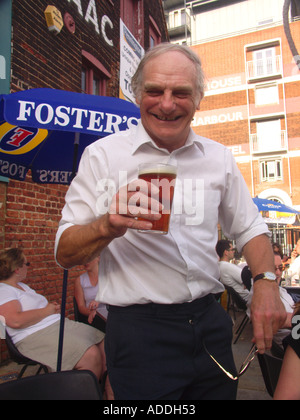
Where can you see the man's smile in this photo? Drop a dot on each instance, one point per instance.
(164, 118)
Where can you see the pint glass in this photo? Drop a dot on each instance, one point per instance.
(164, 177)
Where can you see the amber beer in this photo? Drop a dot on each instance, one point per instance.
(163, 176)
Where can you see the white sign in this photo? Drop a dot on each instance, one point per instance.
(131, 53)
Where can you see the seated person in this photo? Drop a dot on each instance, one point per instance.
(33, 323)
(86, 287)
(230, 274)
(288, 386)
(294, 268)
(247, 277)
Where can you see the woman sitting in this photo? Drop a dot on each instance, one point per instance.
(33, 323)
(86, 287)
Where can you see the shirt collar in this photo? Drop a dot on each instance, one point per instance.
(142, 138)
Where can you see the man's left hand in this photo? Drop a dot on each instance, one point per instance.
(267, 313)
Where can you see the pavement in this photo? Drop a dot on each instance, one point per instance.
(251, 384)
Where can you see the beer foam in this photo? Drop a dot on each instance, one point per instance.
(164, 169)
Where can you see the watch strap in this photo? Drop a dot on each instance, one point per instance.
(262, 276)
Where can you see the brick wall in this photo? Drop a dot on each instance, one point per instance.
(31, 217)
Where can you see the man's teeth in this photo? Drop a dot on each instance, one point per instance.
(166, 118)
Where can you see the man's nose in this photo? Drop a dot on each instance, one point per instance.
(167, 103)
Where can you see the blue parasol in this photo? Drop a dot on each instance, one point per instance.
(46, 130)
(270, 205)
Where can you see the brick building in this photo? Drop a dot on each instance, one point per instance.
(83, 57)
(252, 97)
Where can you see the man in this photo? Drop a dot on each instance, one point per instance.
(230, 274)
(162, 315)
(294, 269)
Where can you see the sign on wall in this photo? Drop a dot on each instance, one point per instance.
(131, 53)
(5, 44)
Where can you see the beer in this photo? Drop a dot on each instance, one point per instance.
(164, 177)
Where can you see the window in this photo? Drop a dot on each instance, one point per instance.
(269, 135)
(154, 33)
(271, 170)
(266, 94)
(94, 76)
(264, 62)
(132, 14)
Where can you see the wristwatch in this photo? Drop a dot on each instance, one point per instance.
(268, 275)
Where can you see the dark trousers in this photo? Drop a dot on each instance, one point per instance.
(155, 352)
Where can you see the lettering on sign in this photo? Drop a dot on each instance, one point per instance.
(73, 118)
(217, 119)
(2, 67)
(91, 16)
(224, 83)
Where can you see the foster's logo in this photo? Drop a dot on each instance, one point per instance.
(18, 140)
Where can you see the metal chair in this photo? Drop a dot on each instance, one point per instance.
(270, 367)
(236, 302)
(66, 385)
(19, 358)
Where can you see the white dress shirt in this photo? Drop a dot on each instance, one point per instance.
(231, 275)
(182, 265)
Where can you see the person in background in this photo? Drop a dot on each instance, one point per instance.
(86, 288)
(277, 248)
(288, 385)
(230, 274)
(294, 268)
(33, 323)
(160, 288)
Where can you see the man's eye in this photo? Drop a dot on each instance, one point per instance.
(153, 92)
(182, 95)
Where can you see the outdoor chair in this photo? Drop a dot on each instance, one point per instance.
(19, 358)
(65, 385)
(270, 367)
(237, 303)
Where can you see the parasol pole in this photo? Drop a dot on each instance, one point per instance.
(65, 278)
(75, 155)
(62, 321)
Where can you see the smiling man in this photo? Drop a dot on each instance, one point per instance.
(168, 101)
(163, 319)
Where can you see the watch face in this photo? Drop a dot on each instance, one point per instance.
(270, 276)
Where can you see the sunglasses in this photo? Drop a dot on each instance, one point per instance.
(245, 365)
(279, 267)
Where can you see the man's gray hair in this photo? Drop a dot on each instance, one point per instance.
(160, 49)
